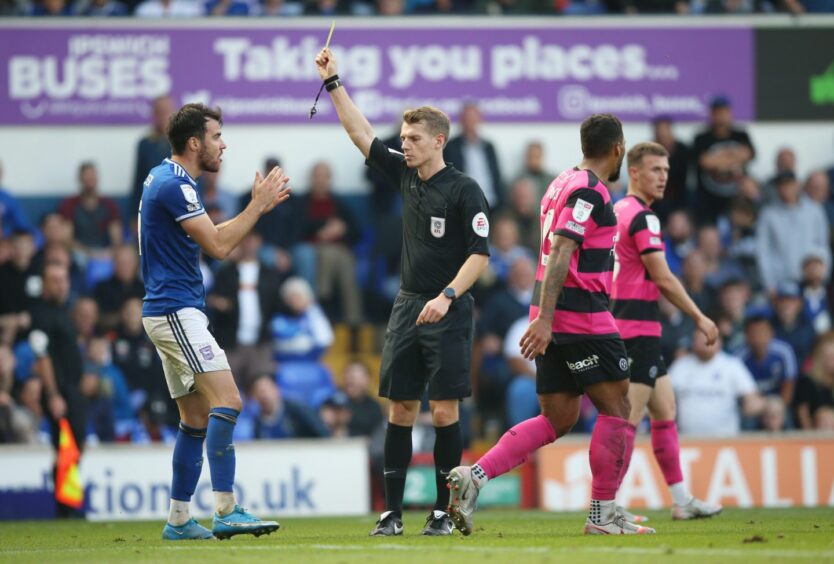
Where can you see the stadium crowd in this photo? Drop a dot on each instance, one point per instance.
(290, 8)
(300, 305)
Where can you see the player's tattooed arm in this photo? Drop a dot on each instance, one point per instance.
(555, 274)
(539, 333)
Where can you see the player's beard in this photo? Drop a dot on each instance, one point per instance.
(615, 174)
(207, 164)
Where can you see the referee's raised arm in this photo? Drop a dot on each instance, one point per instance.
(357, 127)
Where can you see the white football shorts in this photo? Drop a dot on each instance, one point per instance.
(186, 347)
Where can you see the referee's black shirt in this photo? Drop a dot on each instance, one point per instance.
(445, 219)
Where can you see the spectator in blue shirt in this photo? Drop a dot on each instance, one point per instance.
(269, 415)
(12, 217)
(771, 362)
(299, 340)
(679, 240)
(504, 250)
(791, 324)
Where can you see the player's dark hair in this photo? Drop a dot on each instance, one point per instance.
(437, 122)
(637, 153)
(190, 121)
(599, 134)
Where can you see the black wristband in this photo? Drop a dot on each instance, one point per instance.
(331, 86)
(330, 79)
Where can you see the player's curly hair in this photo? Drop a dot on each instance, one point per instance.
(641, 150)
(190, 121)
(599, 134)
(437, 122)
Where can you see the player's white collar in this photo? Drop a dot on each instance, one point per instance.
(179, 170)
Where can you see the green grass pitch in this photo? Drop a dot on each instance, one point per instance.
(760, 535)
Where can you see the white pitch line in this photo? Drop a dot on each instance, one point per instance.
(659, 551)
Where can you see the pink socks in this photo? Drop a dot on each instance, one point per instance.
(515, 446)
(630, 432)
(667, 450)
(609, 443)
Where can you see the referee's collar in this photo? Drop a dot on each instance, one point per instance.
(437, 175)
(179, 170)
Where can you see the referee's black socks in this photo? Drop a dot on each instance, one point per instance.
(397, 458)
(448, 448)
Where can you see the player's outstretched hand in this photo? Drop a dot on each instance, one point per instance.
(708, 328)
(326, 64)
(536, 338)
(270, 191)
(434, 310)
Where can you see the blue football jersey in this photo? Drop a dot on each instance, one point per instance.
(170, 259)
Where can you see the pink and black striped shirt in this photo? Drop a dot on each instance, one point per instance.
(634, 294)
(577, 205)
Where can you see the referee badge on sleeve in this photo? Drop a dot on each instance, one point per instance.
(438, 226)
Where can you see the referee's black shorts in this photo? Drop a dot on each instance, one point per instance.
(646, 360)
(436, 355)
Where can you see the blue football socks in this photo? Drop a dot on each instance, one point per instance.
(220, 449)
(187, 462)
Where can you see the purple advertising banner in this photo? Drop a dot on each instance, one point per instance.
(107, 75)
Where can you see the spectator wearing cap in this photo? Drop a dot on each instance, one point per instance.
(713, 390)
(791, 324)
(335, 414)
(788, 231)
(771, 362)
(722, 153)
(815, 294)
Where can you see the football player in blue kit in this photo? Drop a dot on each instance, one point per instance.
(173, 230)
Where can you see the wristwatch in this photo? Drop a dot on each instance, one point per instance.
(450, 293)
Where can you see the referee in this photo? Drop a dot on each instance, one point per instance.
(429, 338)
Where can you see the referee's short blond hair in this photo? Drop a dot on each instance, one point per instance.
(437, 122)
